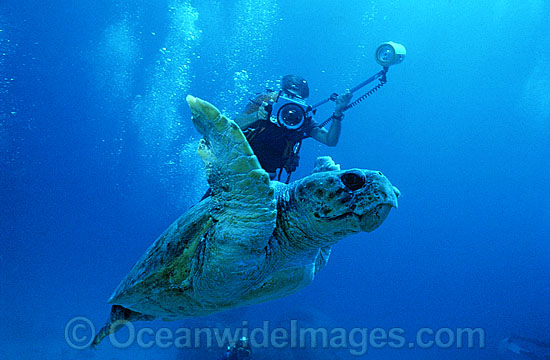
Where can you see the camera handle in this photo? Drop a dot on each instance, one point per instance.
(381, 76)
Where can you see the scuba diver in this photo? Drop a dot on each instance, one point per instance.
(276, 122)
(276, 143)
(241, 350)
(525, 347)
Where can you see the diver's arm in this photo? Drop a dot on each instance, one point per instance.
(328, 137)
(245, 120)
(248, 118)
(331, 136)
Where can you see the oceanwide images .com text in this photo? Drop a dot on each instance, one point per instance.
(79, 333)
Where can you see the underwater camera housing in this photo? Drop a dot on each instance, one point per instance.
(290, 113)
(390, 53)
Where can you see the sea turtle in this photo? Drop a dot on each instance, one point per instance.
(252, 240)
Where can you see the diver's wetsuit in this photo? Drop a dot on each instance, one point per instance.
(272, 144)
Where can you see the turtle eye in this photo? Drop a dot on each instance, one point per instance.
(353, 180)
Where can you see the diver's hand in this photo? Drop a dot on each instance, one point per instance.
(261, 114)
(341, 102)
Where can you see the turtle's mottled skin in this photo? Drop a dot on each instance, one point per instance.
(254, 239)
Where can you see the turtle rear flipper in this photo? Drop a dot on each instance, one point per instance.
(118, 317)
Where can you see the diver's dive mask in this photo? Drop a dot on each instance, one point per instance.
(289, 112)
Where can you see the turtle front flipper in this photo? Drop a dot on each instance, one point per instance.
(118, 317)
(241, 189)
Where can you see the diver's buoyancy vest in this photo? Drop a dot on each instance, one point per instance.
(272, 144)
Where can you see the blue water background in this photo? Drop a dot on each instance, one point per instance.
(97, 157)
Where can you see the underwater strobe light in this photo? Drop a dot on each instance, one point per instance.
(390, 53)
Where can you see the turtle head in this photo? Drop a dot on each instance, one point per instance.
(337, 203)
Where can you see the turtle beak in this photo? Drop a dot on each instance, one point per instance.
(396, 194)
(390, 193)
(387, 200)
(371, 221)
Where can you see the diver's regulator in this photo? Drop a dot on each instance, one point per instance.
(292, 112)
